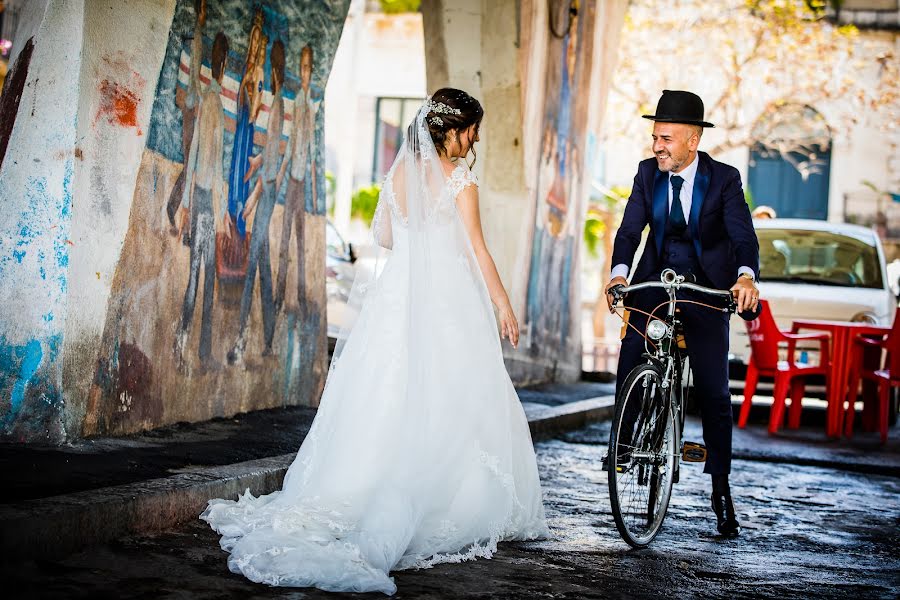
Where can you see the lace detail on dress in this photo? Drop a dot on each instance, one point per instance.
(388, 195)
(443, 209)
(381, 225)
(506, 479)
(484, 549)
(460, 179)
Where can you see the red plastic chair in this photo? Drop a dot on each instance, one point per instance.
(765, 339)
(886, 377)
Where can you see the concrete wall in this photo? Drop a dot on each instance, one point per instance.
(867, 153)
(119, 72)
(36, 192)
(535, 87)
(93, 274)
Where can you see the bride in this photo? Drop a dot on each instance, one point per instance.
(420, 451)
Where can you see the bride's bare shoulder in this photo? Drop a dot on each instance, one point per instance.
(397, 173)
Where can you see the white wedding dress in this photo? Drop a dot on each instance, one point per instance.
(420, 452)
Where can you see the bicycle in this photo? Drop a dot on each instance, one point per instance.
(648, 422)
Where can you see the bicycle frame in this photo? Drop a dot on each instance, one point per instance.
(666, 353)
(646, 447)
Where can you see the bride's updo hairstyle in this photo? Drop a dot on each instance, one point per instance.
(452, 109)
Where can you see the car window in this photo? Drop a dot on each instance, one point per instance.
(819, 257)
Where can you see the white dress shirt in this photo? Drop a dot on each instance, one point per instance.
(687, 188)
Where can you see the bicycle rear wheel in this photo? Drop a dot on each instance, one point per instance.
(641, 456)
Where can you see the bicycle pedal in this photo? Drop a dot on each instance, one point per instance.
(605, 465)
(693, 452)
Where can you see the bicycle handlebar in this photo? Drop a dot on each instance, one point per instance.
(619, 291)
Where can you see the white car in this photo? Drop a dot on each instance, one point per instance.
(340, 270)
(818, 270)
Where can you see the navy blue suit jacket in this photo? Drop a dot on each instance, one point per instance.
(720, 223)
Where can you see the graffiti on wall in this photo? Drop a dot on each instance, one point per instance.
(218, 299)
(551, 277)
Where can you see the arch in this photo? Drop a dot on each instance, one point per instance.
(790, 160)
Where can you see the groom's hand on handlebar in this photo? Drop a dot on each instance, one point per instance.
(613, 283)
(746, 294)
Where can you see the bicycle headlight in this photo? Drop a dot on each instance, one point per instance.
(656, 330)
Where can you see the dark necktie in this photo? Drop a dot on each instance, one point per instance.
(676, 214)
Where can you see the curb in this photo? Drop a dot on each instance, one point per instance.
(59, 525)
(545, 422)
(50, 528)
(865, 468)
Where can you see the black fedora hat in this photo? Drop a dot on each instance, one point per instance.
(677, 106)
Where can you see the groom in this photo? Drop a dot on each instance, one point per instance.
(699, 224)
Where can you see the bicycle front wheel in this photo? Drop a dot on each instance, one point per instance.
(641, 456)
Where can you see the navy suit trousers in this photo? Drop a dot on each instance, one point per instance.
(706, 335)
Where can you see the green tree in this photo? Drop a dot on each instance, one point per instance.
(330, 188)
(603, 214)
(399, 6)
(748, 59)
(594, 230)
(363, 203)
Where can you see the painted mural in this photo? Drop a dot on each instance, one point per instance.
(550, 314)
(218, 299)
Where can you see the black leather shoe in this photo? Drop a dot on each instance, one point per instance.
(726, 522)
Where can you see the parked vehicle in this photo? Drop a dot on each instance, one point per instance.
(813, 269)
(340, 270)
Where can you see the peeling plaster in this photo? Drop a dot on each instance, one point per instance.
(27, 358)
(25, 376)
(36, 190)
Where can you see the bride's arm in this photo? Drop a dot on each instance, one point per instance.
(467, 202)
(381, 225)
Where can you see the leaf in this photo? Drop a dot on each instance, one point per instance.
(363, 203)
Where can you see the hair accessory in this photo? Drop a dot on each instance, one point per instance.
(441, 108)
(436, 121)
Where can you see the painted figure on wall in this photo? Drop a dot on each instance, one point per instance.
(188, 104)
(301, 196)
(202, 199)
(261, 204)
(232, 251)
(230, 181)
(549, 297)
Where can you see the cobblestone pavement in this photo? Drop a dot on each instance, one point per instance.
(809, 532)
